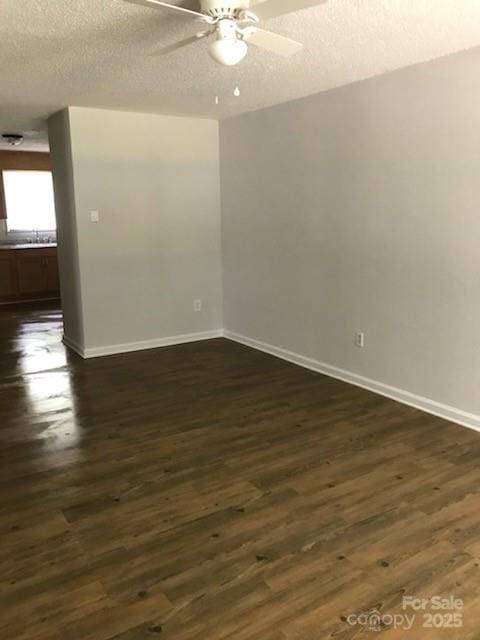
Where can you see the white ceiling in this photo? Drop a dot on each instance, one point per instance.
(97, 53)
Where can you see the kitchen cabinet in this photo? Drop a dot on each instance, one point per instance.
(31, 273)
(8, 284)
(28, 273)
(51, 274)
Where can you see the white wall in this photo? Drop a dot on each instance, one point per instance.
(359, 209)
(155, 182)
(67, 231)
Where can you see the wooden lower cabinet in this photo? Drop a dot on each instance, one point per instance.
(51, 274)
(28, 274)
(8, 277)
(31, 275)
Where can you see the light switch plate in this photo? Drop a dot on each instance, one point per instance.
(94, 216)
(360, 340)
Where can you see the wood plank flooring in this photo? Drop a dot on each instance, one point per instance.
(208, 491)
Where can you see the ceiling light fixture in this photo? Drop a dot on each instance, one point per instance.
(228, 49)
(13, 139)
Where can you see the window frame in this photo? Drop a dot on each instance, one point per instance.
(16, 179)
(21, 161)
(3, 201)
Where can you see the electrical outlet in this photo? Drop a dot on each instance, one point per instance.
(360, 339)
(197, 305)
(94, 216)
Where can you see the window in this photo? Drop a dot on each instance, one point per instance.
(29, 200)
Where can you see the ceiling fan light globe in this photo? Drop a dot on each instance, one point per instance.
(227, 51)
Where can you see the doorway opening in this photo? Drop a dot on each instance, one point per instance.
(29, 273)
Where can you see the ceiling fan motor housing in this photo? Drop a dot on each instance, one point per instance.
(224, 8)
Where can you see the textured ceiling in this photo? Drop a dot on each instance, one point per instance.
(97, 53)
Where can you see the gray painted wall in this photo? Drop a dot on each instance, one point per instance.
(67, 232)
(155, 181)
(359, 209)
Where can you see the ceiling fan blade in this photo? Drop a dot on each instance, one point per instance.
(273, 42)
(157, 4)
(266, 9)
(181, 44)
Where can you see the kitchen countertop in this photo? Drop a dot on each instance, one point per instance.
(31, 245)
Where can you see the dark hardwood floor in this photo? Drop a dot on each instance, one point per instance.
(209, 491)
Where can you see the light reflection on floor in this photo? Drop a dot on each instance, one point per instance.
(36, 374)
(50, 395)
(39, 344)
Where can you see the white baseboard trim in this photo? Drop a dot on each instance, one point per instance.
(74, 346)
(470, 420)
(109, 350)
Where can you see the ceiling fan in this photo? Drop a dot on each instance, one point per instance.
(235, 23)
